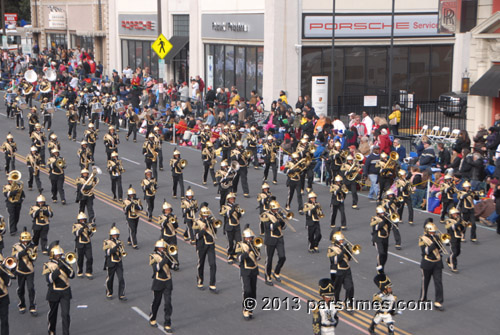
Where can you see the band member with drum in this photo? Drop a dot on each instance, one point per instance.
(58, 271)
(232, 212)
(14, 197)
(387, 305)
(150, 153)
(57, 165)
(83, 231)
(269, 154)
(274, 224)
(205, 230)
(26, 253)
(133, 123)
(161, 261)
(34, 163)
(177, 164)
(114, 253)
(238, 155)
(431, 264)
(32, 120)
(72, 116)
(38, 141)
(46, 109)
(115, 169)
(96, 110)
(169, 224)
(189, 208)
(116, 109)
(314, 214)
(381, 229)
(340, 254)
(85, 186)
(208, 157)
(325, 317)
(111, 141)
(90, 135)
(248, 252)
(149, 187)
(132, 208)
(9, 147)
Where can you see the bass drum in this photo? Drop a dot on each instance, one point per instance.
(49, 107)
(97, 107)
(22, 103)
(119, 107)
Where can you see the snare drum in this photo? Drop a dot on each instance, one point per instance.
(22, 103)
(49, 107)
(119, 107)
(97, 107)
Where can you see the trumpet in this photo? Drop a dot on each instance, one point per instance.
(258, 242)
(183, 163)
(121, 250)
(241, 210)
(70, 257)
(32, 253)
(92, 228)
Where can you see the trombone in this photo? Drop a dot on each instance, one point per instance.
(70, 257)
(441, 240)
(287, 216)
(393, 219)
(183, 163)
(356, 249)
(258, 242)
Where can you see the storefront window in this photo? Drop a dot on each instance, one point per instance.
(138, 54)
(240, 69)
(260, 67)
(229, 65)
(354, 70)
(441, 66)
(85, 42)
(219, 66)
(400, 68)
(419, 76)
(56, 40)
(251, 71)
(376, 69)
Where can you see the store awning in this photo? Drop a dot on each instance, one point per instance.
(489, 84)
(178, 42)
(91, 33)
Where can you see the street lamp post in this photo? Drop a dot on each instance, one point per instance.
(391, 49)
(332, 74)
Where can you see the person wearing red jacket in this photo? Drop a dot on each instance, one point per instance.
(181, 128)
(384, 141)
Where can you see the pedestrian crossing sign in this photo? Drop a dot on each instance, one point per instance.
(161, 46)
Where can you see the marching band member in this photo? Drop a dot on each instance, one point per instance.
(133, 123)
(114, 253)
(232, 213)
(381, 229)
(387, 304)
(325, 317)
(26, 253)
(404, 194)
(162, 261)
(447, 189)
(9, 148)
(32, 120)
(115, 115)
(53, 143)
(150, 153)
(94, 114)
(115, 169)
(111, 141)
(169, 224)
(10, 98)
(339, 192)
(456, 229)
(106, 103)
(58, 271)
(38, 141)
(176, 163)
(314, 213)
(225, 177)
(293, 181)
(81, 102)
(431, 265)
(391, 208)
(85, 155)
(47, 115)
(3, 229)
(205, 230)
(466, 206)
(205, 136)
(41, 214)
(238, 154)
(149, 186)
(248, 252)
(57, 165)
(159, 142)
(34, 162)
(90, 135)
(350, 167)
(19, 116)
(225, 144)
(252, 142)
(131, 207)
(14, 197)
(85, 186)
(274, 224)
(340, 254)
(83, 231)
(386, 174)
(334, 160)
(264, 198)
(72, 116)
(208, 157)
(269, 153)
(189, 208)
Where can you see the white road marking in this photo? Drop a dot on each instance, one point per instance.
(131, 161)
(187, 181)
(3, 114)
(146, 317)
(412, 261)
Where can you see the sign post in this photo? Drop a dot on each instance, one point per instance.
(319, 94)
(161, 46)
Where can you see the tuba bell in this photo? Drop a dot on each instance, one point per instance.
(30, 76)
(359, 157)
(15, 175)
(51, 75)
(235, 165)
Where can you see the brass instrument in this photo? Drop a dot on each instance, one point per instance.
(92, 228)
(172, 250)
(45, 87)
(344, 189)
(32, 252)
(343, 155)
(240, 210)
(70, 257)
(308, 206)
(132, 207)
(299, 167)
(393, 219)
(2, 225)
(258, 242)
(183, 163)
(356, 249)
(121, 250)
(61, 163)
(321, 215)
(391, 162)
(172, 220)
(95, 170)
(353, 171)
(441, 240)
(10, 263)
(400, 198)
(15, 175)
(247, 154)
(217, 224)
(286, 216)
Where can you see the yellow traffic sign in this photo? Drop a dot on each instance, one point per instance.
(161, 46)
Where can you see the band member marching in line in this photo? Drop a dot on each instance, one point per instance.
(466, 206)
(90, 135)
(325, 317)
(404, 196)
(239, 155)
(41, 213)
(431, 247)
(72, 116)
(339, 192)
(83, 231)
(447, 189)
(32, 120)
(388, 167)
(38, 141)
(225, 144)
(96, 109)
(225, 177)
(132, 207)
(274, 224)
(114, 253)
(162, 260)
(111, 141)
(81, 103)
(169, 224)
(314, 214)
(53, 143)
(115, 169)
(7, 267)
(34, 162)
(133, 123)
(205, 230)
(9, 147)
(248, 255)
(390, 205)
(387, 304)
(57, 165)
(3, 229)
(47, 113)
(252, 142)
(159, 143)
(205, 136)
(189, 208)
(26, 253)
(149, 187)
(58, 271)
(85, 186)
(456, 229)
(115, 114)
(86, 158)
(18, 112)
(232, 213)
(150, 152)
(381, 229)
(14, 197)
(351, 171)
(340, 254)
(334, 161)
(177, 164)
(263, 199)
(293, 182)
(208, 157)
(269, 153)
